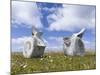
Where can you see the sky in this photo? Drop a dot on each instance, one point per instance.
(55, 20)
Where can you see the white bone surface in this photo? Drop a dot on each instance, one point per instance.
(76, 46)
(34, 47)
(28, 48)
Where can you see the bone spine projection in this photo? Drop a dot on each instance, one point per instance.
(74, 45)
(35, 46)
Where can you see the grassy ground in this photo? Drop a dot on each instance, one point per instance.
(51, 62)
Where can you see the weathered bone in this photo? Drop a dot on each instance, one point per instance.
(79, 34)
(74, 45)
(35, 46)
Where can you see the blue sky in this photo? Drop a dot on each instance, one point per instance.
(54, 20)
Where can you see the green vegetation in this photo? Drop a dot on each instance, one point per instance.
(51, 62)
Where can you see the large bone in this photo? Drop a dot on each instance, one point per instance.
(79, 34)
(35, 46)
(74, 45)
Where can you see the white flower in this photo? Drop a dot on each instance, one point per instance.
(49, 56)
(24, 66)
(41, 59)
(51, 60)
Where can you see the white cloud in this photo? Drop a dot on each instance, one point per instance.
(72, 17)
(45, 41)
(27, 13)
(89, 45)
(57, 39)
(54, 43)
(19, 40)
(18, 43)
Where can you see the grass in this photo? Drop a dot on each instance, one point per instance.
(51, 62)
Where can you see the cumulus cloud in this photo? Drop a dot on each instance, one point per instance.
(72, 17)
(54, 43)
(26, 13)
(89, 45)
(57, 39)
(18, 43)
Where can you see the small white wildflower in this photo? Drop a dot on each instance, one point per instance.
(49, 56)
(51, 60)
(24, 66)
(41, 56)
(41, 59)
